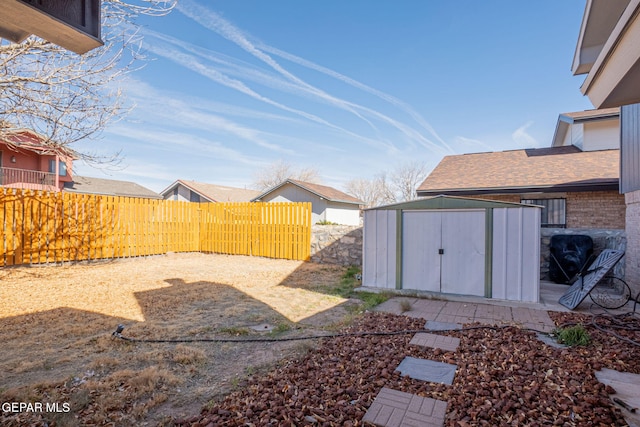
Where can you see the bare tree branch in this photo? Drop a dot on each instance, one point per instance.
(65, 97)
(406, 178)
(374, 192)
(278, 172)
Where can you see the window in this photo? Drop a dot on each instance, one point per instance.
(62, 167)
(554, 212)
(194, 197)
(175, 193)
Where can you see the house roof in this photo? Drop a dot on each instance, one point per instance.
(214, 192)
(108, 187)
(565, 120)
(517, 171)
(323, 191)
(30, 140)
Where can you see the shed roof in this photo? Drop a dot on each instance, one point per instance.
(551, 169)
(328, 193)
(451, 202)
(214, 192)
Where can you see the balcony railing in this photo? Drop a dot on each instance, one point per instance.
(29, 179)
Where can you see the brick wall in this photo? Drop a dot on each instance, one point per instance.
(632, 256)
(596, 209)
(587, 209)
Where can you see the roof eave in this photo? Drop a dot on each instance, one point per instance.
(601, 185)
(598, 21)
(617, 66)
(184, 183)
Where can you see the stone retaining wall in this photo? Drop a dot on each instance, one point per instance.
(336, 244)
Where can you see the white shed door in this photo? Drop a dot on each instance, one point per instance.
(444, 251)
(421, 240)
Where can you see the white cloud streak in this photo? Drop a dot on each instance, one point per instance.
(194, 64)
(522, 138)
(216, 23)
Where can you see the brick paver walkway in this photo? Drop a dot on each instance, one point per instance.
(392, 408)
(469, 312)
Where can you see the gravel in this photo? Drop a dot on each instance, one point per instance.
(505, 377)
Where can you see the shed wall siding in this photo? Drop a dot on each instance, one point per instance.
(379, 255)
(516, 254)
(629, 148)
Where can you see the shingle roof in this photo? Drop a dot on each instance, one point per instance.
(109, 187)
(323, 191)
(217, 193)
(544, 169)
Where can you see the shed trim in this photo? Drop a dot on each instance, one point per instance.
(488, 253)
(449, 202)
(398, 249)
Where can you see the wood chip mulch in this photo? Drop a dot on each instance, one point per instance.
(505, 377)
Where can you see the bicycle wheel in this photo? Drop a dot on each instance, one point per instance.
(610, 293)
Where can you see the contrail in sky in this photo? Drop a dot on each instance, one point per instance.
(193, 64)
(215, 22)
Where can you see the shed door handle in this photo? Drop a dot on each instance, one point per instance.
(441, 251)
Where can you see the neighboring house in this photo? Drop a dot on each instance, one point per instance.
(328, 204)
(608, 52)
(589, 130)
(25, 162)
(578, 189)
(108, 187)
(199, 192)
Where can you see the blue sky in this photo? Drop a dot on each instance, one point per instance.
(350, 88)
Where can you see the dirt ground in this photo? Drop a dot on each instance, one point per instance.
(56, 325)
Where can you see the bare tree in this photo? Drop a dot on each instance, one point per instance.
(406, 178)
(373, 192)
(65, 97)
(281, 170)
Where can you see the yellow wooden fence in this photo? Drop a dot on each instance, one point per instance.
(41, 227)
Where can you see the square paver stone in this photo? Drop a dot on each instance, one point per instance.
(427, 370)
(432, 325)
(443, 342)
(392, 408)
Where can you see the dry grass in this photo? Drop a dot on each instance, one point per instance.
(56, 324)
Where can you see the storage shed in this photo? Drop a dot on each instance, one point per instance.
(454, 245)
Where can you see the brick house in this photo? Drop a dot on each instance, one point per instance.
(576, 179)
(608, 54)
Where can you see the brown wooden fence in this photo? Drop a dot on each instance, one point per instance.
(41, 227)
